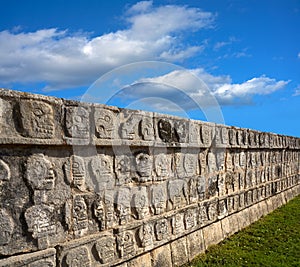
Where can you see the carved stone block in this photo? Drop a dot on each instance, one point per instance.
(179, 165)
(106, 249)
(232, 137)
(123, 167)
(190, 164)
(212, 189)
(80, 216)
(124, 205)
(181, 131)
(222, 209)
(75, 172)
(146, 235)
(39, 219)
(79, 256)
(203, 214)
(36, 119)
(77, 122)
(177, 193)
(212, 211)
(203, 162)
(105, 123)
(240, 137)
(110, 216)
(102, 170)
(147, 128)
(40, 174)
(221, 136)
(158, 199)
(141, 203)
(206, 135)
(162, 164)
(178, 224)
(211, 162)
(193, 189)
(100, 211)
(202, 187)
(162, 230)
(129, 127)
(144, 166)
(190, 218)
(165, 131)
(194, 133)
(126, 244)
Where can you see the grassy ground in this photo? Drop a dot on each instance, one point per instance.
(272, 241)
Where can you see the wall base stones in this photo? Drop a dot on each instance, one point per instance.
(92, 185)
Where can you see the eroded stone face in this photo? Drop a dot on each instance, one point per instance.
(40, 173)
(77, 122)
(75, 172)
(39, 219)
(36, 119)
(141, 203)
(144, 166)
(126, 244)
(105, 123)
(162, 230)
(147, 129)
(165, 131)
(106, 249)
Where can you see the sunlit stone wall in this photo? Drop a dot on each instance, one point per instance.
(92, 185)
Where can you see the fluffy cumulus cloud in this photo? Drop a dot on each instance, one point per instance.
(62, 60)
(189, 87)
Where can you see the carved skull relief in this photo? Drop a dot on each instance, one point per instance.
(105, 122)
(75, 172)
(37, 119)
(77, 122)
(40, 174)
(144, 166)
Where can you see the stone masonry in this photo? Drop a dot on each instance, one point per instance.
(93, 185)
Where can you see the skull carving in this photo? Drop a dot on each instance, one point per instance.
(36, 119)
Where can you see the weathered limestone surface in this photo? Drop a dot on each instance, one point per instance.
(92, 185)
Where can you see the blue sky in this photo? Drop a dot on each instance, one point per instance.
(246, 53)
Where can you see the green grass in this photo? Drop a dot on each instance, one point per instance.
(272, 241)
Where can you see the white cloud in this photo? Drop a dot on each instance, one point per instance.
(297, 91)
(299, 55)
(141, 6)
(61, 59)
(187, 87)
(222, 44)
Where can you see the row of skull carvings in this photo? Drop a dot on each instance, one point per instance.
(40, 120)
(120, 205)
(109, 171)
(112, 208)
(132, 239)
(136, 239)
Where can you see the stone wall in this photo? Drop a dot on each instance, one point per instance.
(91, 185)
